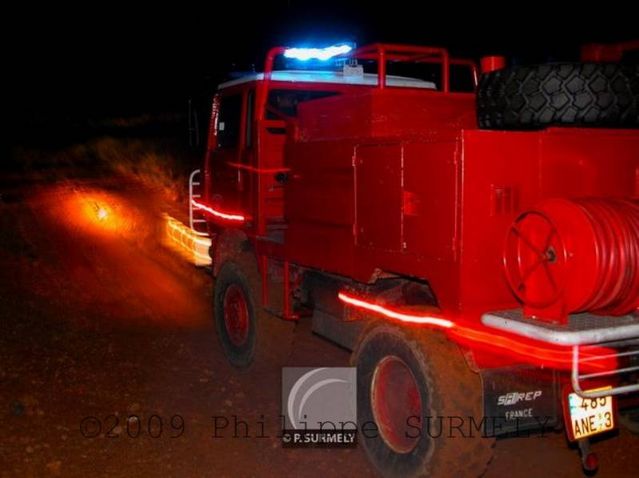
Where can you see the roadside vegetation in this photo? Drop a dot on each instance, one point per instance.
(153, 151)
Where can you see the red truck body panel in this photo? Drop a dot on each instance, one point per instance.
(396, 185)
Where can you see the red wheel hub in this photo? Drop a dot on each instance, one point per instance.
(394, 398)
(236, 315)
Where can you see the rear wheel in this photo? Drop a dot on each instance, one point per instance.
(425, 402)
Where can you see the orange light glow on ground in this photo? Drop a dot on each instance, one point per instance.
(99, 212)
(104, 259)
(103, 214)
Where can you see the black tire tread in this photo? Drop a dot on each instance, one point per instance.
(455, 391)
(559, 94)
(273, 336)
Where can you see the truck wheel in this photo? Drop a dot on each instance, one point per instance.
(235, 315)
(563, 94)
(403, 378)
(246, 332)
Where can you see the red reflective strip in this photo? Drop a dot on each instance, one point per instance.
(560, 356)
(253, 169)
(220, 214)
(412, 318)
(538, 354)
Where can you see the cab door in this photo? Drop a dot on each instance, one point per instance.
(232, 153)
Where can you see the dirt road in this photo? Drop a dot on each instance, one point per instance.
(99, 322)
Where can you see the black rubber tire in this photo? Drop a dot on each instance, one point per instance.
(231, 274)
(447, 388)
(269, 338)
(559, 94)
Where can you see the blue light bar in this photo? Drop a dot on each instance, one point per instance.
(321, 54)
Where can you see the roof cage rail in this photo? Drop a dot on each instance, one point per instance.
(382, 53)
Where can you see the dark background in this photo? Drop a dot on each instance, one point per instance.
(70, 65)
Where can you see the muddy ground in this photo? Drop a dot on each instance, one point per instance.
(99, 322)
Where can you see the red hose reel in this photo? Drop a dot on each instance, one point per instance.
(578, 255)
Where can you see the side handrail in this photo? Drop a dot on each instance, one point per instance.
(193, 221)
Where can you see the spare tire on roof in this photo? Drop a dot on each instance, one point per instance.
(561, 94)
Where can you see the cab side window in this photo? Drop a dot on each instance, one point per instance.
(282, 104)
(229, 120)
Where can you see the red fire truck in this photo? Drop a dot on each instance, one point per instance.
(472, 236)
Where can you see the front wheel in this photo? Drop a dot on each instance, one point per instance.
(235, 315)
(425, 404)
(248, 334)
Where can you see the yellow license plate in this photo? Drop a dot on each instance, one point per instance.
(590, 416)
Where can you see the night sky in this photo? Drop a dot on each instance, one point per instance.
(113, 60)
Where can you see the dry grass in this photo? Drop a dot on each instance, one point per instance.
(157, 163)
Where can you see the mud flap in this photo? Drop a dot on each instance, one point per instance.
(520, 400)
